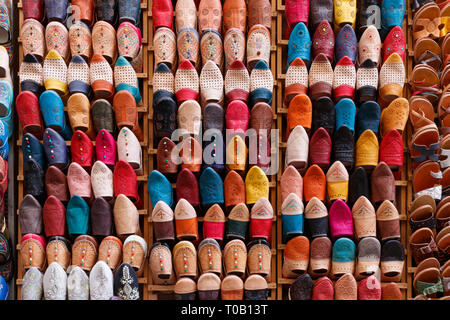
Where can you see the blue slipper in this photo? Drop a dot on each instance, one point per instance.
(392, 13)
(346, 44)
(159, 188)
(55, 149)
(32, 149)
(6, 98)
(52, 109)
(299, 44)
(4, 144)
(345, 114)
(211, 188)
(368, 117)
(77, 216)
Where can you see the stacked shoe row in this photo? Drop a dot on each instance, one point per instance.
(7, 264)
(79, 218)
(216, 218)
(429, 215)
(344, 150)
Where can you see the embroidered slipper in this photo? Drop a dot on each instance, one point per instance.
(234, 46)
(211, 47)
(104, 41)
(105, 148)
(188, 42)
(82, 149)
(388, 224)
(185, 259)
(323, 41)
(258, 46)
(129, 40)
(299, 44)
(369, 46)
(165, 44)
(32, 35)
(292, 215)
(57, 38)
(80, 40)
(346, 44)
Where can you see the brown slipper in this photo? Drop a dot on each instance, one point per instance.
(427, 22)
(427, 180)
(424, 81)
(427, 51)
(421, 112)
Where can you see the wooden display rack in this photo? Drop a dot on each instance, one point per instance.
(165, 291)
(401, 185)
(142, 179)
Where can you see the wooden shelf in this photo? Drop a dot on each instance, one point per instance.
(143, 109)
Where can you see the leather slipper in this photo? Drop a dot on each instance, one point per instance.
(210, 15)
(343, 259)
(55, 73)
(102, 115)
(32, 34)
(388, 223)
(164, 42)
(105, 148)
(320, 77)
(323, 41)
(162, 218)
(214, 223)
(101, 76)
(54, 217)
(57, 38)
(234, 46)
(392, 260)
(31, 75)
(27, 105)
(104, 41)
(314, 182)
(299, 114)
(292, 215)
(258, 46)
(296, 80)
